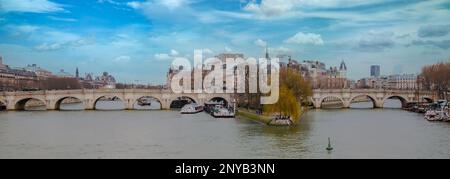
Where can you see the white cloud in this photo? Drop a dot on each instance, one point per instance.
(273, 8)
(62, 19)
(35, 6)
(167, 56)
(134, 4)
(260, 43)
(305, 39)
(173, 4)
(174, 52)
(281, 50)
(110, 2)
(228, 49)
(49, 47)
(162, 57)
(170, 4)
(376, 41)
(208, 51)
(123, 59)
(26, 28)
(64, 44)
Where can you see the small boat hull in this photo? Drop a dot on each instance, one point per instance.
(196, 112)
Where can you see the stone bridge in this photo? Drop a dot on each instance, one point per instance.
(377, 96)
(89, 98)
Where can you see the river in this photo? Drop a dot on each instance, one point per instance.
(355, 133)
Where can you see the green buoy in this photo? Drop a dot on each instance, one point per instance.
(329, 148)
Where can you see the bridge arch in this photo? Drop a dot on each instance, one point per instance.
(335, 97)
(403, 99)
(137, 101)
(370, 97)
(58, 103)
(21, 103)
(428, 99)
(3, 105)
(220, 99)
(113, 97)
(180, 101)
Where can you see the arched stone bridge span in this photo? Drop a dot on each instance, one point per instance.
(53, 99)
(378, 96)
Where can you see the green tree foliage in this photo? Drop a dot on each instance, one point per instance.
(287, 105)
(294, 81)
(293, 91)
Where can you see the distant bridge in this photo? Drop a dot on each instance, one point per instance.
(377, 96)
(89, 98)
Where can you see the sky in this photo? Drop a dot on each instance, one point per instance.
(136, 40)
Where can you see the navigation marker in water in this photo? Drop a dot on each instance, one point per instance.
(329, 148)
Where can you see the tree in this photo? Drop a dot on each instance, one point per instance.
(294, 81)
(293, 91)
(437, 77)
(287, 104)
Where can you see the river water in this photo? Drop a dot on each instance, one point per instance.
(355, 133)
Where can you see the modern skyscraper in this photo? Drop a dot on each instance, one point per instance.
(375, 70)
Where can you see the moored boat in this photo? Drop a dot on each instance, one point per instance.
(281, 121)
(438, 112)
(222, 112)
(219, 110)
(192, 109)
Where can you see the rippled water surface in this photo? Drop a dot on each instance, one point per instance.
(355, 133)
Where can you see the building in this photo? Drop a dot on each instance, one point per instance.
(63, 74)
(107, 80)
(17, 79)
(373, 83)
(375, 71)
(321, 77)
(403, 82)
(2, 66)
(314, 71)
(40, 72)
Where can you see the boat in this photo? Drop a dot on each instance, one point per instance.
(192, 109)
(219, 110)
(222, 112)
(144, 102)
(281, 121)
(438, 112)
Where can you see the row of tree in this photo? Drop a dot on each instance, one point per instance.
(436, 77)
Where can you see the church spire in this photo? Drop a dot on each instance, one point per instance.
(267, 53)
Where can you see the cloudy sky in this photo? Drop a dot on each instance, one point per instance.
(136, 40)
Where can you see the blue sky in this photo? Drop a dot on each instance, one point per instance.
(137, 39)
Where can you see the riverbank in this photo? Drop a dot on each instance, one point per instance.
(251, 115)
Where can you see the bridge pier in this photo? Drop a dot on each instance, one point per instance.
(129, 104)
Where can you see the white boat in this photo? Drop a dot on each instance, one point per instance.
(220, 111)
(438, 112)
(281, 121)
(191, 109)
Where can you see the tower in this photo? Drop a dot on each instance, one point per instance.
(375, 71)
(77, 73)
(343, 70)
